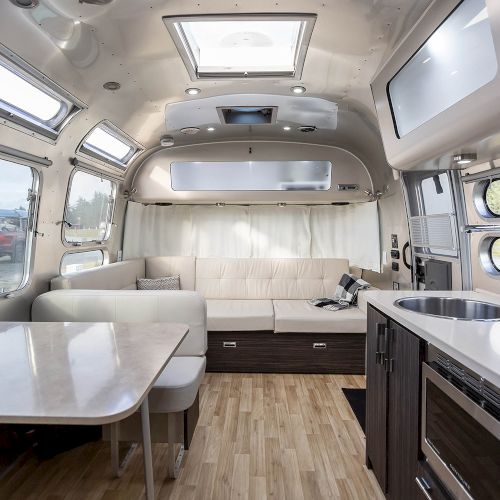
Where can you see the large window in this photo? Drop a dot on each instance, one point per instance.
(89, 208)
(108, 143)
(18, 187)
(242, 46)
(455, 61)
(31, 100)
(75, 262)
(251, 175)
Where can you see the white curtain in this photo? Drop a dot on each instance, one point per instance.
(350, 231)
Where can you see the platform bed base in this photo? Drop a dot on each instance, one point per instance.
(269, 352)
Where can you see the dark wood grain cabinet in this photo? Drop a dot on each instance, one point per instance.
(394, 357)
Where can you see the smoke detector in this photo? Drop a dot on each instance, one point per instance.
(166, 141)
(190, 130)
(307, 128)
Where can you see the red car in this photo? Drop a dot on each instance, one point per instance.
(13, 236)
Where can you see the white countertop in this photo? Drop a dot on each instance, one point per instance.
(80, 373)
(476, 344)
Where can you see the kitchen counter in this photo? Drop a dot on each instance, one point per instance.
(476, 344)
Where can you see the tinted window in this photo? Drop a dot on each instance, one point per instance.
(16, 211)
(89, 208)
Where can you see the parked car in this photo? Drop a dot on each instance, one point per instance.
(13, 234)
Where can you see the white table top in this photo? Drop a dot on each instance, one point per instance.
(80, 373)
(476, 344)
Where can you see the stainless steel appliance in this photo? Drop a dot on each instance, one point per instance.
(461, 427)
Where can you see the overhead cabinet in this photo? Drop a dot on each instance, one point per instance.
(394, 356)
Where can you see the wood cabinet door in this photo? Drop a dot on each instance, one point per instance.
(405, 355)
(376, 398)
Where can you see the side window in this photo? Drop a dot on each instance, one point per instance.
(89, 208)
(75, 262)
(17, 212)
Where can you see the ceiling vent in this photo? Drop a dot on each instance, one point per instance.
(248, 115)
(307, 128)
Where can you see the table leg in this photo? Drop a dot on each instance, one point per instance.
(146, 446)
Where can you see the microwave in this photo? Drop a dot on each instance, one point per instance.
(460, 428)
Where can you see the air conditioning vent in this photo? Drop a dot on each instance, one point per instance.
(307, 128)
(248, 115)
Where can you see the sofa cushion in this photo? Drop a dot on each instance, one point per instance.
(176, 387)
(299, 316)
(268, 278)
(163, 283)
(133, 306)
(239, 315)
(116, 276)
(156, 267)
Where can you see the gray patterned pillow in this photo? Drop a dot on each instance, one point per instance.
(163, 283)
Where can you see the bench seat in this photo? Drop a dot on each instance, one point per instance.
(225, 315)
(300, 316)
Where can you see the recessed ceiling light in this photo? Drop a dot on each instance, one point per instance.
(210, 129)
(193, 91)
(112, 86)
(166, 141)
(190, 130)
(287, 128)
(220, 204)
(297, 89)
(25, 4)
(281, 204)
(464, 158)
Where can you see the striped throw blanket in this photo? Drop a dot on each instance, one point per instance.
(346, 294)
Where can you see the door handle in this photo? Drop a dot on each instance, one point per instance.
(379, 353)
(388, 362)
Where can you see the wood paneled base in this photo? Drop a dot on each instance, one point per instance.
(269, 352)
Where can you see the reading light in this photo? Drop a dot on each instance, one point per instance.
(287, 128)
(297, 89)
(464, 158)
(193, 91)
(220, 204)
(166, 141)
(281, 204)
(210, 129)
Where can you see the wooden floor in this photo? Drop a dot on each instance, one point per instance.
(259, 437)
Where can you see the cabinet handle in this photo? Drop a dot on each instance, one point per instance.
(388, 362)
(319, 345)
(379, 354)
(228, 344)
(424, 487)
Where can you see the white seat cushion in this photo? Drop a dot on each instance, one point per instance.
(299, 316)
(176, 388)
(239, 315)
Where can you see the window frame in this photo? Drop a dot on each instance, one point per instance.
(109, 227)
(22, 120)
(92, 153)
(104, 253)
(479, 199)
(31, 229)
(485, 248)
(173, 25)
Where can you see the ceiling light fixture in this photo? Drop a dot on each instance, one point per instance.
(166, 141)
(193, 91)
(25, 4)
(287, 128)
(281, 204)
(220, 204)
(210, 129)
(298, 89)
(112, 86)
(464, 158)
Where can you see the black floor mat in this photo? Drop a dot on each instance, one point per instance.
(357, 401)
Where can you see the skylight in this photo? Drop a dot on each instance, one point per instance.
(110, 144)
(30, 100)
(242, 46)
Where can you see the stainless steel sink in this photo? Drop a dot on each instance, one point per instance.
(450, 307)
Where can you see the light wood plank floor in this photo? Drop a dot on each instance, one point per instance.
(259, 437)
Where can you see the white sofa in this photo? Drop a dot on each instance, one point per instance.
(257, 296)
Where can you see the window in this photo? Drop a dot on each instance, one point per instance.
(492, 197)
(81, 261)
(251, 176)
(495, 253)
(436, 195)
(31, 100)
(242, 46)
(455, 61)
(108, 143)
(89, 208)
(17, 212)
